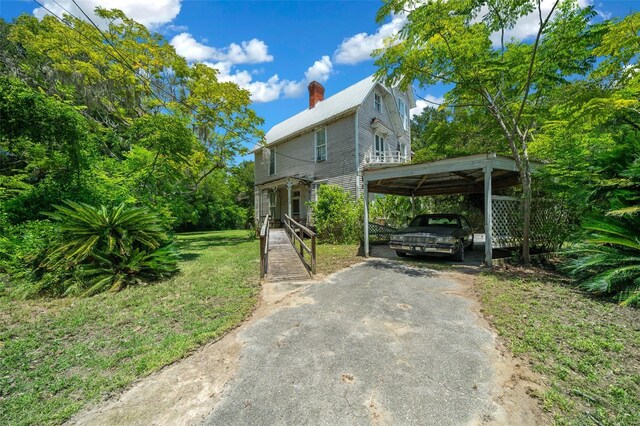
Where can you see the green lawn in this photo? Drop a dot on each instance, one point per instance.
(587, 349)
(56, 356)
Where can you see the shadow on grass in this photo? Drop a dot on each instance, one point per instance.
(191, 244)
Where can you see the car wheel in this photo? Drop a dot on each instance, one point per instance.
(401, 253)
(458, 256)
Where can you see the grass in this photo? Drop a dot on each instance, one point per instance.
(332, 258)
(56, 356)
(587, 349)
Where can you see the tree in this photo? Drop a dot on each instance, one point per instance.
(450, 42)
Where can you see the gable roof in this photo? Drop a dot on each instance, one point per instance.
(341, 102)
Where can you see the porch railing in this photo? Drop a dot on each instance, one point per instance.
(264, 246)
(385, 157)
(297, 233)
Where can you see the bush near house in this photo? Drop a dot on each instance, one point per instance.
(337, 216)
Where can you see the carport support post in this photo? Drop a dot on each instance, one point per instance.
(366, 219)
(488, 217)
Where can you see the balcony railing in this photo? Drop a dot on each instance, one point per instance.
(385, 157)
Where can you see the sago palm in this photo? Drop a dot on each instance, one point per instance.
(110, 248)
(608, 261)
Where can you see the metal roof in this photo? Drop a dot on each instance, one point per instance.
(462, 175)
(334, 106)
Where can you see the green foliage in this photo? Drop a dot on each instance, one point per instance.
(608, 260)
(109, 122)
(337, 216)
(23, 249)
(109, 248)
(58, 356)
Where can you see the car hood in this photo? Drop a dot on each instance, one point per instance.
(434, 230)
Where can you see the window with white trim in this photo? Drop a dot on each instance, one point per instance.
(272, 162)
(321, 144)
(378, 145)
(377, 102)
(295, 203)
(272, 203)
(403, 150)
(404, 115)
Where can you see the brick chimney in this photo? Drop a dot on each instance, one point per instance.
(316, 93)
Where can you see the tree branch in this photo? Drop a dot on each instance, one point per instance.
(527, 86)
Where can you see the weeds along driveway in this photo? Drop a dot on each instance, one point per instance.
(380, 342)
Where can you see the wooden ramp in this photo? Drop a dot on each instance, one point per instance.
(284, 262)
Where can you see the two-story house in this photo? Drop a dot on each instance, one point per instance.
(330, 143)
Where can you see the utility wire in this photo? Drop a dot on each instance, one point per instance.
(122, 59)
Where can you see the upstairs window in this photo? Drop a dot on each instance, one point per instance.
(404, 115)
(377, 102)
(321, 144)
(378, 145)
(272, 162)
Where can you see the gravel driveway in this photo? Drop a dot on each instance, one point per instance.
(379, 343)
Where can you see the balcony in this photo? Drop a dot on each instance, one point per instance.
(385, 157)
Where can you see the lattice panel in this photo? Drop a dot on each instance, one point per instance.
(548, 222)
(506, 226)
(379, 232)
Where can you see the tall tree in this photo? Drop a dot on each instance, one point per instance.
(452, 42)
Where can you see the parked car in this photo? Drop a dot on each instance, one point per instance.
(434, 234)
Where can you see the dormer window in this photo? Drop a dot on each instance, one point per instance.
(377, 102)
(404, 114)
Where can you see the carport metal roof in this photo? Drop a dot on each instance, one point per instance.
(482, 174)
(462, 175)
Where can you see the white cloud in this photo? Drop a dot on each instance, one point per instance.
(150, 13)
(421, 104)
(358, 48)
(320, 70)
(527, 26)
(188, 47)
(253, 51)
(274, 88)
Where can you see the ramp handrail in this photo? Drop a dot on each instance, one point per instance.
(264, 247)
(290, 227)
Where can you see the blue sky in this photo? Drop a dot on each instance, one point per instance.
(274, 48)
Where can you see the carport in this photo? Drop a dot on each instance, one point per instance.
(473, 174)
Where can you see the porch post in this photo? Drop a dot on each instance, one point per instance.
(488, 217)
(259, 209)
(289, 185)
(366, 218)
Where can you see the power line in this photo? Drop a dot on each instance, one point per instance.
(122, 57)
(100, 46)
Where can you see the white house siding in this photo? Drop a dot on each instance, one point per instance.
(296, 158)
(367, 113)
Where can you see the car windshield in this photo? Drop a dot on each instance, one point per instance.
(422, 221)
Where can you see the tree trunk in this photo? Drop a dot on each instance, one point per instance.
(525, 174)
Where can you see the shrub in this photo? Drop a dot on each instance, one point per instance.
(22, 250)
(337, 216)
(109, 248)
(608, 261)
